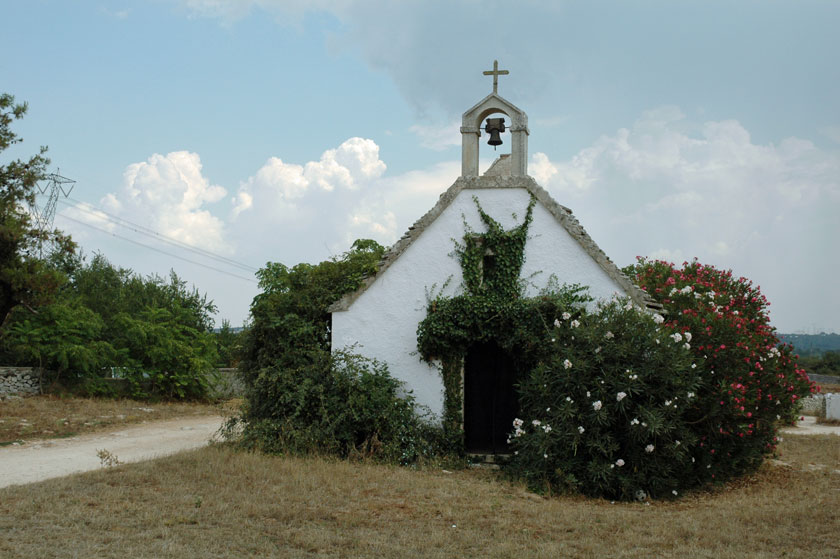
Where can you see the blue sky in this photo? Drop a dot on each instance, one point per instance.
(281, 130)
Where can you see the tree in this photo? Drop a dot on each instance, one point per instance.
(25, 279)
(63, 337)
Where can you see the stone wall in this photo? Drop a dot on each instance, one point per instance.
(19, 380)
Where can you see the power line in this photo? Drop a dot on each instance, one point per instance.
(157, 249)
(143, 230)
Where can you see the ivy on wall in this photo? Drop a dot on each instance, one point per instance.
(492, 307)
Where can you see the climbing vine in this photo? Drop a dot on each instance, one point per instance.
(492, 307)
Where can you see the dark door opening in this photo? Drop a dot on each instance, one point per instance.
(490, 402)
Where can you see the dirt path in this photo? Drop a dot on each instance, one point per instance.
(808, 426)
(44, 459)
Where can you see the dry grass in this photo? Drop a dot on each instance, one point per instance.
(219, 503)
(826, 388)
(53, 416)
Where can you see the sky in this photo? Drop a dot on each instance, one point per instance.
(213, 136)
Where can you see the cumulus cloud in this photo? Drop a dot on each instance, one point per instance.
(675, 189)
(169, 194)
(278, 185)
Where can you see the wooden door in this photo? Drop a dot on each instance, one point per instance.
(490, 402)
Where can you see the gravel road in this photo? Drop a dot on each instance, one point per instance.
(39, 460)
(44, 459)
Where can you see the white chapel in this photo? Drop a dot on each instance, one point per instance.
(380, 319)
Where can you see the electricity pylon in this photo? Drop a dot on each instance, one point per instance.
(52, 186)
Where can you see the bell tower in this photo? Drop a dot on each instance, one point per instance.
(473, 119)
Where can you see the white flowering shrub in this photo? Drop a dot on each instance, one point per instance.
(607, 414)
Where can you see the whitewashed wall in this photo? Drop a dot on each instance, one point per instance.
(382, 322)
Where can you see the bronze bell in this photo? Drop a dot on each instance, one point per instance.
(495, 126)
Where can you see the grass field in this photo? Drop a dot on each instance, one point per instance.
(217, 503)
(45, 417)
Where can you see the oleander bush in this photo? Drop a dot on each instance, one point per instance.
(754, 383)
(608, 413)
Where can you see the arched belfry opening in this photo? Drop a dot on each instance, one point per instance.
(474, 121)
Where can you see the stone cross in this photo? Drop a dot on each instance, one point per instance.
(495, 72)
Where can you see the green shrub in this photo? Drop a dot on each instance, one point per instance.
(302, 399)
(607, 413)
(341, 404)
(753, 383)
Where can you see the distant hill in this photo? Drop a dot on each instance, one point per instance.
(812, 344)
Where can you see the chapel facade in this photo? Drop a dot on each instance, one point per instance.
(380, 319)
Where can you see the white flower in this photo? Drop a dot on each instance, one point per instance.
(547, 428)
(694, 365)
(619, 462)
(581, 429)
(566, 316)
(598, 349)
(687, 336)
(674, 491)
(567, 364)
(588, 394)
(518, 433)
(597, 405)
(687, 289)
(687, 346)
(575, 323)
(658, 318)
(657, 341)
(553, 340)
(677, 337)
(620, 396)
(667, 403)
(628, 306)
(635, 421)
(536, 423)
(556, 323)
(547, 409)
(649, 448)
(545, 455)
(518, 422)
(569, 399)
(673, 291)
(696, 295)
(678, 443)
(691, 394)
(609, 335)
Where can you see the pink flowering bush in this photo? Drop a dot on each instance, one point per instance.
(751, 383)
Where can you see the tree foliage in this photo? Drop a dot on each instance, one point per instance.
(151, 331)
(301, 397)
(25, 278)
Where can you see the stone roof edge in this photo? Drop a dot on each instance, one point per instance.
(561, 213)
